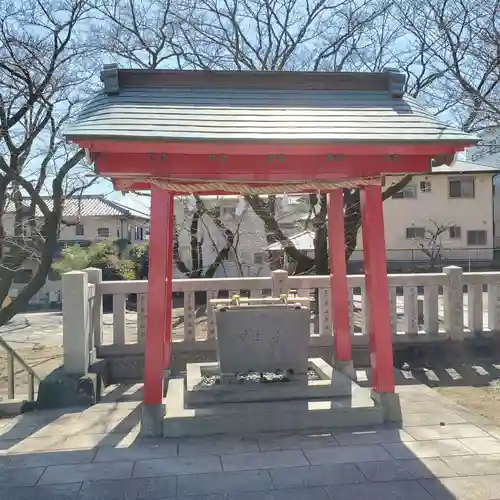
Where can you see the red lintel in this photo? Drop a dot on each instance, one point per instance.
(277, 168)
(269, 148)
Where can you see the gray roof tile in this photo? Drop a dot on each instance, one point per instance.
(240, 113)
(88, 206)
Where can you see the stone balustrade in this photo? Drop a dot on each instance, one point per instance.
(424, 307)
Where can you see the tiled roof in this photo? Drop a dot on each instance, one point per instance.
(464, 167)
(90, 206)
(244, 106)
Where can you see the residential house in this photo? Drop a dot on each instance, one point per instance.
(85, 220)
(446, 216)
(249, 256)
(487, 152)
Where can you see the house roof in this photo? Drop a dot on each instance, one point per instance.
(301, 241)
(465, 167)
(257, 106)
(88, 206)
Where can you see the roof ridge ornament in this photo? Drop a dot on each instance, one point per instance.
(396, 83)
(109, 76)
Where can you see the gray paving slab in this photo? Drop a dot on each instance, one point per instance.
(131, 489)
(263, 460)
(463, 488)
(450, 431)
(58, 474)
(108, 490)
(315, 493)
(347, 454)
(28, 476)
(176, 466)
(156, 487)
(275, 442)
(219, 496)
(372, 436)
(52, 492)
(472, 465)
(49, 458)
(482, 445)
(217, 445)
(224, 482)
(432, 418)
(153, 450)
(428, 449)
(402, 470)
(316, 475)
(404, 490)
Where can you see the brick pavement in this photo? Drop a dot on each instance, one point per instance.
(441, 452)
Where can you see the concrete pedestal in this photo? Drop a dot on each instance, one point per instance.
(152, 420)
(331, 383)
(390, 404)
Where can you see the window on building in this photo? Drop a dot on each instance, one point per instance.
(103, 232)
(455, 232)
(414, 233)
(462, 188)
(23, 276)
(79, 230)
(409, 191)
(425, 186)
(476, 238)
(259, 259)
(228, 212)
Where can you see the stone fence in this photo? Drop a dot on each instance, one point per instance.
(424, 307)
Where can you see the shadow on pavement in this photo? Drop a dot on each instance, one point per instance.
(97, 454)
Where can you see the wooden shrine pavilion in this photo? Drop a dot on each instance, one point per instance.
(217, 132)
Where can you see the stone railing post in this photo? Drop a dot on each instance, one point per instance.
(142, 311)
(75, 322)
(454, 303)
(279, 282)
(94, 276)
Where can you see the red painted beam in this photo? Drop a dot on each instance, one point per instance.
(258, 168)
(267, 148)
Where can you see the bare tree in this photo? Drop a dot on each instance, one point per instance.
(276, 35)
(196, 224)
(462, 38)
(42, 78)
(432, 244)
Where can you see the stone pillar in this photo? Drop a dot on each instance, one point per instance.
(75, 322)
(94, 276)
(454, 303)
(280, 283)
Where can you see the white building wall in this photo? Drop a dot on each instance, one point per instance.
(467, 213)
(117, 226)
(247, 227)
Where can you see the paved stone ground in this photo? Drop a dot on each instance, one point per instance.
(441, 452)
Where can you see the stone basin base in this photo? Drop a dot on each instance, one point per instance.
(326, 383)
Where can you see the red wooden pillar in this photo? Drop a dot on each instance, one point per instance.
(169, 258)
(339, 292)
(377, 289)
(159, 305)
